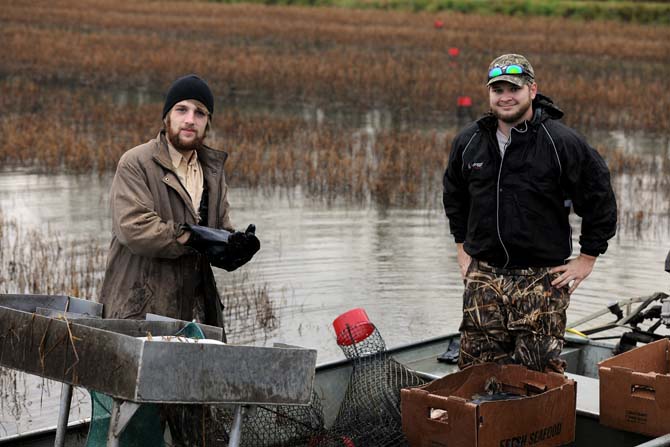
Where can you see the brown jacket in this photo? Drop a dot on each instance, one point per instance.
(148, 271)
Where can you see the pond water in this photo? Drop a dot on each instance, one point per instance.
(320, 260)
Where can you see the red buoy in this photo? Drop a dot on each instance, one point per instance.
(464, 101)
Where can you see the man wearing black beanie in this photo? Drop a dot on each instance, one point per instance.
(161, 189)
(189, 87)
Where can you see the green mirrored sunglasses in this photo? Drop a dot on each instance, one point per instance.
(509, 69)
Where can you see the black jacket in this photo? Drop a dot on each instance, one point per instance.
(512, 211)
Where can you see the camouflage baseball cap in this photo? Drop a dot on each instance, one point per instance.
(526, 76)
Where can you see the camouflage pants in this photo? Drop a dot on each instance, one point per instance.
(513, 316)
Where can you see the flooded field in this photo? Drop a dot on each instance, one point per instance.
(318, 260)
(338, 125)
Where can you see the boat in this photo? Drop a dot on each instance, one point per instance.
(332, 379)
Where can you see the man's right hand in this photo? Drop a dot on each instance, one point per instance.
(224, 249)
(464, 259)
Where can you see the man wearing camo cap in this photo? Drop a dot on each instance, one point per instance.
(512, 179)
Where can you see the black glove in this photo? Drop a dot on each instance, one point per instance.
(202, 237)
(224, 249)
(241, 248)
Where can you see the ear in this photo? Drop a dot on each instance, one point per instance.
(533, 90)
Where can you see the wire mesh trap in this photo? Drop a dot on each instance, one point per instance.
(369, 415)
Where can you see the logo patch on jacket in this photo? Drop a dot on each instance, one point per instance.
(476, 166)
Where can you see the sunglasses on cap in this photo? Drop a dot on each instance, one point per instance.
(508, 69)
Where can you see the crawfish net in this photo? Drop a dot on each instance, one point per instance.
(369, 415)
(263, 425)
(370, 412)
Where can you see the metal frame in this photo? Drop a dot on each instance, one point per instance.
(43, 335)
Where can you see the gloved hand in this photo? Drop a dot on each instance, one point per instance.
(224, 249)
(241, 248)
(202, 237)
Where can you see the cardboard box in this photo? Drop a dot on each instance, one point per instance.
(442, 413)
(635, 389)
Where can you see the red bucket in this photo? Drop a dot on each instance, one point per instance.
(352, 327)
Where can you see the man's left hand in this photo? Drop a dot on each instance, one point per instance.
(575, 271)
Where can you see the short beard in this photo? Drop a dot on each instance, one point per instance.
(512, 119)
(177, 144)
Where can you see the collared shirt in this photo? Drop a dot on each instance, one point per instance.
(189, 173)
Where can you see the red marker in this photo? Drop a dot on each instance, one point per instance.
(464, 101)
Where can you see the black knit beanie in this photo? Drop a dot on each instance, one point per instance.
(189, 87)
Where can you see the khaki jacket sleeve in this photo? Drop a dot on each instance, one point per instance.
(135, 221)
(226, 223)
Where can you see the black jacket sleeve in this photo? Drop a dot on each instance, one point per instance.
(455, 195)
(587, 182)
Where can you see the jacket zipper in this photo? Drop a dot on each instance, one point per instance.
(498, 189)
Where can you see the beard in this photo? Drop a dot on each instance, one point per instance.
(513, 117)
(173, 137)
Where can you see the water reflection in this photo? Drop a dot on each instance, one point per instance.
(634, 142)
(74, 206)
(319, 260)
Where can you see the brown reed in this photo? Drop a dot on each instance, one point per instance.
(82, 81)
(32, 262)
(250, 312)
(606, 74)
(43, 263)
(391, 167)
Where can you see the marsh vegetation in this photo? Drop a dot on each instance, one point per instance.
(83, 81)
(354, 106)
